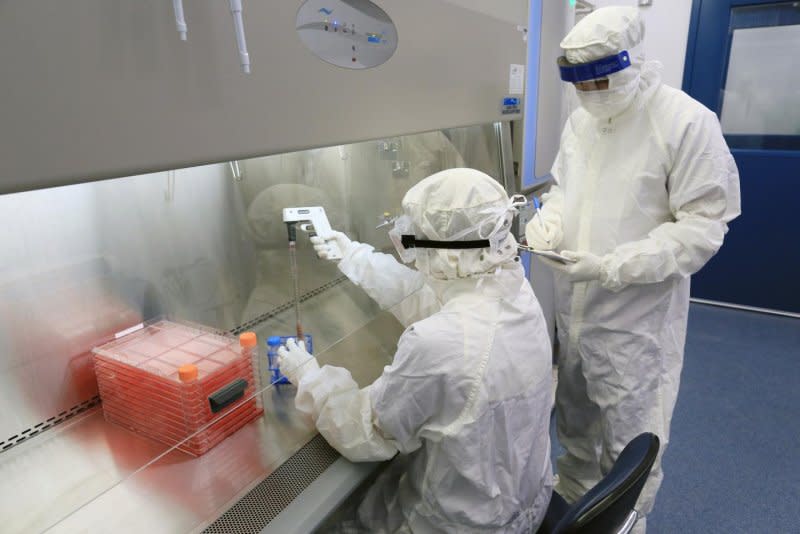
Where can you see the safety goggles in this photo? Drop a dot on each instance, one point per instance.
(401, 235)
(601, 68)
(406, 242)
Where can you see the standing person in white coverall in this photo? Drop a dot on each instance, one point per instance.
(466, 399)
(645, 188)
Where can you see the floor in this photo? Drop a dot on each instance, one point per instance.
(733, 463)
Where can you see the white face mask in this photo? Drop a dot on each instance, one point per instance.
(613, 101)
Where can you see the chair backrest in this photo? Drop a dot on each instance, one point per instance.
(607, 506)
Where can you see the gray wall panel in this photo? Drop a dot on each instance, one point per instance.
(100, 88)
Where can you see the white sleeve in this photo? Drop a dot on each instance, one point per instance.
(704, 197)
(343, 414)
(388, 416)
(392, 285)
(552, 209)
(412, 392)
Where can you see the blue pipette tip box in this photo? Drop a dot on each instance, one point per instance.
(273, 343)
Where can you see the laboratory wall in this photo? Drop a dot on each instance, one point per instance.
(513, 11)
(667, 33)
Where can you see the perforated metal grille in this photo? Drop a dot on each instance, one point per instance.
(264, 502)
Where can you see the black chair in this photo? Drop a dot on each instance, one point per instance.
(607, 508)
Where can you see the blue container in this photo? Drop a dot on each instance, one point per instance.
(273, 344)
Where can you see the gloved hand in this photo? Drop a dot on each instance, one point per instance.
(544, 231)
(542, 234)
(293, 360)
(322, 243)
(587, 266)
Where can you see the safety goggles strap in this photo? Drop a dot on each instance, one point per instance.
(601, 68)
(410, 241)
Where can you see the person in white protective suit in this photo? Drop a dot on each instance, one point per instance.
(644, 189)
(467, 397)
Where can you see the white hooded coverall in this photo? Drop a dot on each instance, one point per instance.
(466, 400)
(648, 193)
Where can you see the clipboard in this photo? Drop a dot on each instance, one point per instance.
(549, 254)
(555, 256)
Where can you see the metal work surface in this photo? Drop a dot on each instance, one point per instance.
(64, 416)
(111, 480)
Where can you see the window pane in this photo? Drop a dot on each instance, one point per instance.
(205, 244)
(762, 89)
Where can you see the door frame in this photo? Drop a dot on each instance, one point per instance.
(713, 16)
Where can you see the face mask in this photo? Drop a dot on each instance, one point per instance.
(610, 102)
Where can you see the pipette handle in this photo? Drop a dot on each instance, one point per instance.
(323, 228)
(334, 252)
(180, 22)
(314, 219)
(537, 205)
(241, 43)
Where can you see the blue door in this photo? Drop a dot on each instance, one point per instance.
(743, 62)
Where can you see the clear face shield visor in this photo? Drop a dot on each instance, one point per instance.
(602, 87)
(593, 76)
(491, 231)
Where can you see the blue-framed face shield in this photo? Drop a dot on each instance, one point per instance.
(591, 75)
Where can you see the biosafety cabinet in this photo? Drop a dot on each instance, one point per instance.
(143, 179)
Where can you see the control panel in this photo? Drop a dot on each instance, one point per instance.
(354, 34)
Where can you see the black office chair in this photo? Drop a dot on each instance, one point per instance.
(607, 508)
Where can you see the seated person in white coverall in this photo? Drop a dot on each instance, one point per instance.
(466, 400)
(645, 189)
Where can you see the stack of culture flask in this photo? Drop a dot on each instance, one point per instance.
(180, 384)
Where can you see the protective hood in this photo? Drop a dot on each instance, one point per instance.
(461, 205)
(607, 32)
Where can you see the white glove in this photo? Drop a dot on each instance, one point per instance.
(544, 231)
(542, 235)
(322, 243)
(295, 361)
(587, 266)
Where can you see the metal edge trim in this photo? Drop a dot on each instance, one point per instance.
(743, 307)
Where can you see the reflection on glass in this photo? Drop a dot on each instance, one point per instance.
(763, 82)
(203, 244)
(356, 184)
(177, 492)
